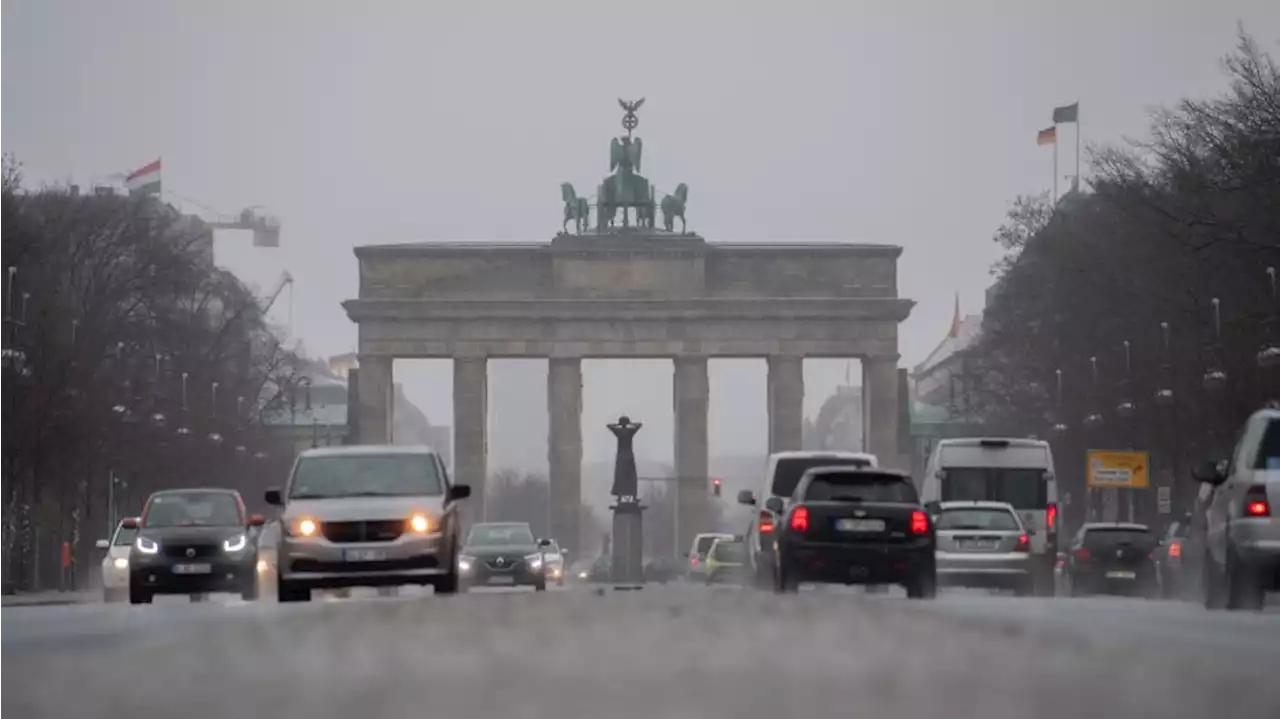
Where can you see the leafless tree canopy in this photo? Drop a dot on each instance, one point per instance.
(1173, 222)
(110, 303)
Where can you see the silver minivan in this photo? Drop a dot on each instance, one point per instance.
(374, 516)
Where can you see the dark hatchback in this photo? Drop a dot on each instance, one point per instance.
(856, 526)
(193, 541)
(1112, 558)
(503, 554)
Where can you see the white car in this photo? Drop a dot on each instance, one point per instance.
(115, 566)
(554, 557)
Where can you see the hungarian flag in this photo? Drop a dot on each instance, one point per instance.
(145, 180)
(1047, 136)
(1066, 113)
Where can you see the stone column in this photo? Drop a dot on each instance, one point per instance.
(786, 402)
(692, 395)
(880, 400)
(470, 429)
(374, 397)
(564, 450)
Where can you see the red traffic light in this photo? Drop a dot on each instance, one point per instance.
(715, 486)
(715, 481)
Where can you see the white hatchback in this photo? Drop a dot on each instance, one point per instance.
(115, 566)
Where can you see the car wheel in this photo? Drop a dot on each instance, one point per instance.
(540, 585)
(1241, 580)
(139, 596)
(289, 592)
(197, 598)
(1211, 583)
(108, 596)
(249, 592)
(388, 591)
(923, 586)
(448, 584)
(1024, 588)
(784, 581)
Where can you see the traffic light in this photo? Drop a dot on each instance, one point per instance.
(715, 486)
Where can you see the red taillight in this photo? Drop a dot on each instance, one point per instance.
(766, 522)
(800, 519)
(1051, 517)
(1175, 549)
(1256, 504)
(693, 561)
(1083, 555)
(919, 522)
(1024, 543)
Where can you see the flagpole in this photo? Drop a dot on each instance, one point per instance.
(1077, 145)
(1055, 164)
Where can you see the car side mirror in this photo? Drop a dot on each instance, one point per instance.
(273, 497)
(746, 497)
(129, 523)
(103, 544)
(933, 508)
(1209, 472)
(544, 543)
(459, 491)
(773, 504)
(257, 520)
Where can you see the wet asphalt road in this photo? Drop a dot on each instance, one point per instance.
(668, 651)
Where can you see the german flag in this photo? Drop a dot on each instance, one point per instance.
(1047, 136)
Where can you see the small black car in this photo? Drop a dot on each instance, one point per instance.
(503, 554)
(193, 541)
(1112, 558)
(855, 526)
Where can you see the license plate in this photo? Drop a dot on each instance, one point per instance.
(860, 525)
(364, 555)
(192, 569)
(1122, 575)
(976, 544)
(502, 580)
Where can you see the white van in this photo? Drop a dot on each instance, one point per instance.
(992, 469)
(782, 473)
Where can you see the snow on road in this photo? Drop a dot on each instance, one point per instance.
(673, 651)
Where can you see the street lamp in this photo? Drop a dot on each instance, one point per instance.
(1269, 356)
(1164, 395)
(1215, 379)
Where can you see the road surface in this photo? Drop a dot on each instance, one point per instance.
(668, 651)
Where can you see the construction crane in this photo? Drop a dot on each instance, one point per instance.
(286, 279)
(265, 228)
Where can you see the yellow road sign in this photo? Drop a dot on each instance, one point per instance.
(1108, 468)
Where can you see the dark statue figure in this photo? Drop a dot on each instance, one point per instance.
(625, 481)
(627, 557)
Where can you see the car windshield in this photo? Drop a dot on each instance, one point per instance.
(124, 536)
(788, 471)
(185, 509)
(1022, 488)
(389, 475)
(1000, 520)
(729, 551)
(860, 487)
(1102, 537)
(500, 535)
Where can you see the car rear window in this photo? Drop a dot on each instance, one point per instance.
(999, 520)
(860, 487)
(1102, 537)
(1023, 488)
(703, 545)
(1269, 450)
(788, 471)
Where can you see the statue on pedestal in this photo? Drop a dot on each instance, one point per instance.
(627, 558)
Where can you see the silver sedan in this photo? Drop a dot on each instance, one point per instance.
(983, 544)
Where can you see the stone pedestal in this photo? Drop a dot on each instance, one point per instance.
(692, 394)
(564, 449)
(374, 395)
(786, 402)
(627, 557)
(470, 425)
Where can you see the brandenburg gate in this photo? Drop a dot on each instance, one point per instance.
(626, 288)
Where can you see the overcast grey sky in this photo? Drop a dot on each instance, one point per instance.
(911, 123)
